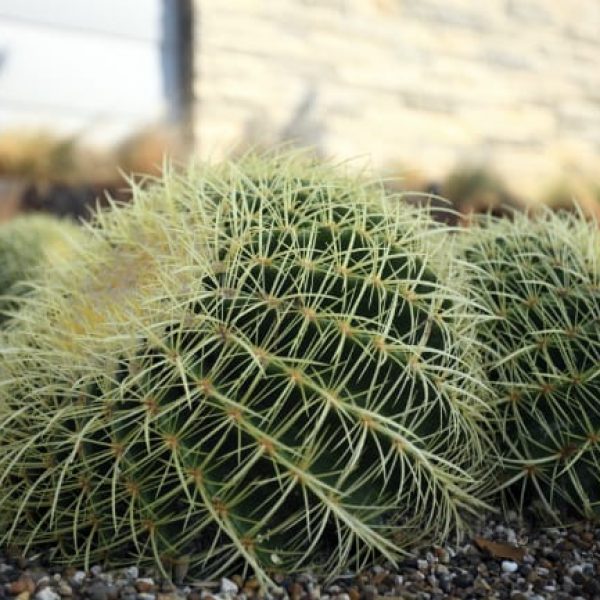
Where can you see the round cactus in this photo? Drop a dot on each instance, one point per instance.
(540, 282)
(29, 244)
(276, 384)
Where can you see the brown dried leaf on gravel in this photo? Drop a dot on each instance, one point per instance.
(500, 550)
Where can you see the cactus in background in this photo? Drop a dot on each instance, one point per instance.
(540, 279)
(28, 245)
(276, 377)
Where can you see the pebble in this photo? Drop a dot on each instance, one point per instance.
(146, 584)
(370, 592)
(444, 584)
(252, 584)
(558, 563)
(23, 584)
(464, 580)
(132, 572)
(481, 584)
(354, 594)
(78, 578)
(528, 559)
(97, 591)
(47, 593)
(228, 586)
(592, 586)
(129, 593)
(509, 566)
(578, 577)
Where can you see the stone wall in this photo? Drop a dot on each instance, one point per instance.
(412, 84)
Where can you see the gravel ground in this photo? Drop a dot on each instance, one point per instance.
(505, 559)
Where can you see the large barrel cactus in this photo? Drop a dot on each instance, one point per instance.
(540, 282)
(28, 244)
(274, 373)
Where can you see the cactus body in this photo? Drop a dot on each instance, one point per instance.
(28, 245)
(281, 384)
(541, 282)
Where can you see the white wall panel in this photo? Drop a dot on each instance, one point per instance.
(96, 66)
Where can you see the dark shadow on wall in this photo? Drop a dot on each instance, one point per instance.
(303, 128)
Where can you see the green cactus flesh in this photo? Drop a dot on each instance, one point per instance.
(275, 394)
(541, 281)
(27, 245)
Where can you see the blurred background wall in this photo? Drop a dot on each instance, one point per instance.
(428, 84)
(452, 95)
(100, 69)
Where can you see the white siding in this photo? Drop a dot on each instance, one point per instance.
(99, 67)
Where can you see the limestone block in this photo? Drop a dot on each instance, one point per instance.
(584, 20)
(456, 13)
(517, 125)
(534, 12)
(580, 119)
(526, 174)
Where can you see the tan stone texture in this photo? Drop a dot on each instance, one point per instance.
(430, 84)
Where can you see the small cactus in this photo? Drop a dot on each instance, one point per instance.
(276, 385)
(540, 282)
(28, 245)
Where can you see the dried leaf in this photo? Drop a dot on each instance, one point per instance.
(500, 550)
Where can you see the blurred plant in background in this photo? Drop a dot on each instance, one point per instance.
(569, 192)
(476, 189)
(38, 155)
(41, 171)
(468, 190)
